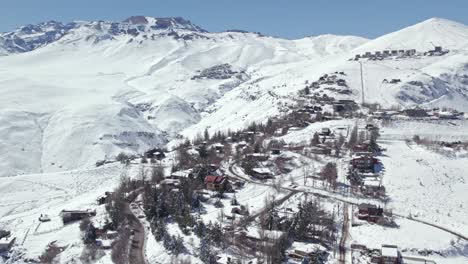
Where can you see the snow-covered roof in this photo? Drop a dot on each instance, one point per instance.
(6, 241)
(257, 233)
(372, 182)
(181, 174)
(389, 251)
(307, 247)
(261, 170)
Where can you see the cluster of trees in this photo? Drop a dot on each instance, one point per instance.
(312, 221)
(329, 173)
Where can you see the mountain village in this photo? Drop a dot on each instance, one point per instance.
(330, 175)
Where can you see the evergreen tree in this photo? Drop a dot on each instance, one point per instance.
(315, 140)
(206, 252)
(353, 138)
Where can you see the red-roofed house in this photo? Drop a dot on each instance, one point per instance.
(216, 183)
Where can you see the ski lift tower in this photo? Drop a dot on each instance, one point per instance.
(362, 83)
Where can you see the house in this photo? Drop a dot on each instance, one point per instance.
(325, 132)
(104, 244)
(410, 52)
(257, 156)
(390, 255)
(75, 215)
(369, 212)
(372, 186)
(262, 173)
(170, 183)
(4, 233)
(218, 147)
(6, 243)
(156, 153)
(415, 112)
(180, 175)
(275, 151)
(364, 163)
(321, 149)
(216, 183)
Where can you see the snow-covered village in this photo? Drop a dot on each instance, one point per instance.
(153, 140)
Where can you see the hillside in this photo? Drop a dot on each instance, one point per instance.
(94, 89)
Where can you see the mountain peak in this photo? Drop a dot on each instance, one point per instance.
(164, 23)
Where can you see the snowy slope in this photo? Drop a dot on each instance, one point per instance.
(423, 36)
(170, 76)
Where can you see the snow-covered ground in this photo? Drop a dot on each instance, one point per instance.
(426, 185)
(26, 197)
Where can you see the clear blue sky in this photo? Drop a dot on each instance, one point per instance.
(284, 18)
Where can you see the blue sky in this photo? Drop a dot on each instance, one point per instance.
(283, 18)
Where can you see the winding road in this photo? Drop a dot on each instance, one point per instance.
(334, 196)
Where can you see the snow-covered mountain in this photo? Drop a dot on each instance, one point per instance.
(75, 93)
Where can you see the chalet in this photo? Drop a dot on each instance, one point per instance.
(410, 52)
(372, 186)
(75, 215)
(325, 132)
(156, 153)
(390, 255)
(218, 147)
(4, 233)
(394, 52)
(275, 151)
(361, 148)
(321, 149)
(386, 53)
(216, 183)
(448, 115)
(415, 112)
(369, 212)
(170, 183)
(364, 163)
(257, 156)
(104, 244)
(180, 175)
(6, 243)
(261, 173)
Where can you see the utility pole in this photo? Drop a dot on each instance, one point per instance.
(362, 83)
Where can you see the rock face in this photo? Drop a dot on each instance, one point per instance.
(31, 37)
(219, 72)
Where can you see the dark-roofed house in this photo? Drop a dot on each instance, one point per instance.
(415, 112)
(364, 163)
(74, 215)
(216, 183)
(369, 212)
